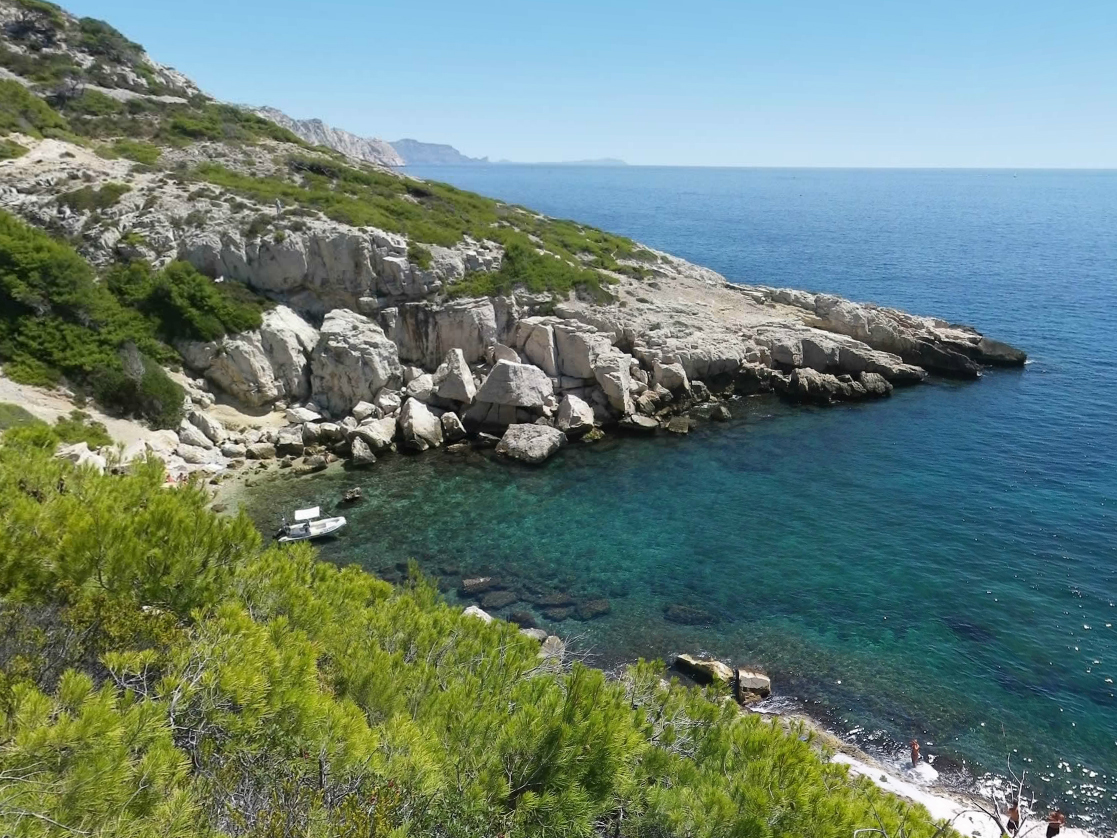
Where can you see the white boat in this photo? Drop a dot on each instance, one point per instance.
(308, 525)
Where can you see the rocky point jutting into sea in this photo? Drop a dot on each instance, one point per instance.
(365, 351)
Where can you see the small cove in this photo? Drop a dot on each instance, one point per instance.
(940, 564)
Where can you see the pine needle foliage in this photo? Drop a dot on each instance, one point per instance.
(164, 673)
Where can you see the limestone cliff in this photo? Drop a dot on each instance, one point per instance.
(316, 132)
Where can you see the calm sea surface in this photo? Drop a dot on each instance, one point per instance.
(941, 565)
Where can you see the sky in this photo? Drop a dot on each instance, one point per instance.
(981, 83)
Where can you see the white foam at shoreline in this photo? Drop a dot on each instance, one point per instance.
(943, 806)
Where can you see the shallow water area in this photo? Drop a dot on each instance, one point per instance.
(938, 565)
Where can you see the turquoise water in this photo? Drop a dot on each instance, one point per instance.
(940, 564)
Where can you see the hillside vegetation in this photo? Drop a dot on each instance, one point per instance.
(164, 673)
(64, 102)
(108, 335)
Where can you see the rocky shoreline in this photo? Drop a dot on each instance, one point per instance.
(367, 347)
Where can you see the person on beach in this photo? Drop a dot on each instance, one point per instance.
(1013, 817)
(914, 753)
(1055, 823)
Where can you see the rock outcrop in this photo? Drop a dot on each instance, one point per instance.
(352, 361)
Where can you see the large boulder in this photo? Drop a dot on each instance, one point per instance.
(237, 365)
(80, 455)
(290, 441)
(191, 434)
(574, 415)
(288, 340)
(453, 379)
(530, 443)
(612, 369)
(517, 385)
(704, 671)
(360, 453)
(376, 433)
(452, 428)
(671, 376)
(198, 456)
(419, 428)
(425, 332)
(213, 429)
(577, 347)
(352, 361)
(538, 346)
(750, 685)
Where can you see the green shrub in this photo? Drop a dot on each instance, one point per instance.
(13, 416)
(182, 303)
(524, 266)
(93, 103)
(10, 150)
(57, 320)
(151, 395)
(88, 199)
(138, 152)
(79, 427)
(259, 692)
(98, 38)
(23, 111)
(418, 255)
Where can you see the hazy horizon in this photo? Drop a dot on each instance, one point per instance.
(961, 85)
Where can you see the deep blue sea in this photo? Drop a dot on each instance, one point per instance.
(940, 565)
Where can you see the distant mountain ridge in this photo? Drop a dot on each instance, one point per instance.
(405, 152)
(369, 149)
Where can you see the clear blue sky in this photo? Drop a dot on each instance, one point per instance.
(945, 83)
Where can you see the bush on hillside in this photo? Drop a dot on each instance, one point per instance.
(57, 320)
(210, 686)
(183, 304)
(88, 199)
(23, 111)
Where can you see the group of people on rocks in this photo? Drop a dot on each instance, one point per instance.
(1055, 821)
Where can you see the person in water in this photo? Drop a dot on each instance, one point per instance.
(1013, 816)
(1055, 823)
(914, 753)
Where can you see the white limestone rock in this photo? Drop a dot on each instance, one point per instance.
(211, 427)
(301, 415)
(388, 400)
(671, 376)
(421, 388)
(453, 379)
(531, 443)
(574, 415)
(197, 456)
(352, 361)
(419, 428)
(452, 428)
(365, 410)
(360, 452)
(191, 434)
(517, 385)
(378, 434)
(287, 341)
(475, 612)
(80, 455)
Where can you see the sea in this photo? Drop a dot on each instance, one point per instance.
(940, 565)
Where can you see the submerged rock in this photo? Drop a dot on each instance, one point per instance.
(688, 615)
(499, 599)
